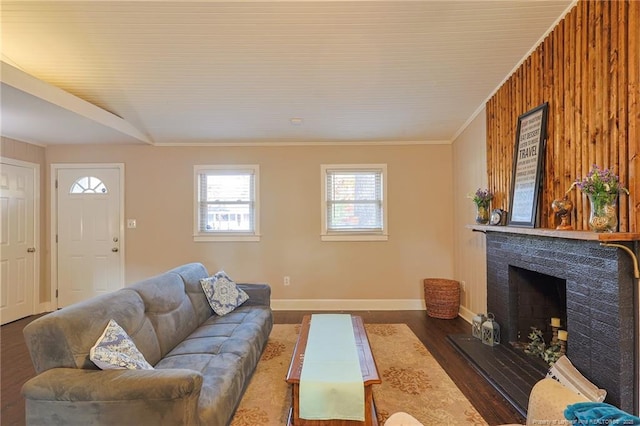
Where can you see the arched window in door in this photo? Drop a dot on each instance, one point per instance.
(88, 185)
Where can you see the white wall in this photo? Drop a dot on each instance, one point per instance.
(469, 174)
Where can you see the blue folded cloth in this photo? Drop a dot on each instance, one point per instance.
(598, 413)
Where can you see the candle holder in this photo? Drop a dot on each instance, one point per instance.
(562, 339)
(555, 326)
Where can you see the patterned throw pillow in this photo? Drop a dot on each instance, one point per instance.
(115, 350)
(222, 293)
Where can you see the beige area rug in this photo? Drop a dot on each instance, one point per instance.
(412, 381)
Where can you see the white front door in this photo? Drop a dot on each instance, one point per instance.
(89, 232)
(17, 239)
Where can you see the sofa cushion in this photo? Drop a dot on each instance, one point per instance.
(64, 338)
(222, 293)
(168, 308)
(115, 350)
(547, 402)
(191, 274)
(235, 332)
(225, 350)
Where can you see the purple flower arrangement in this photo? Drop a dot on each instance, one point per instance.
(600, 183)
(482, 197)
(602, 186)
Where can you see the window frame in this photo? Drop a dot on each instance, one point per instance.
(223, 236)
(353, 235)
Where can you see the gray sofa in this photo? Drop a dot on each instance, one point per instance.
(202, 362)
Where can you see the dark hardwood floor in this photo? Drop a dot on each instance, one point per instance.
(16, 367)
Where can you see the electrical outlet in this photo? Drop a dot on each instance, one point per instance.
(463, 285)
(287, 280)
(131, 223)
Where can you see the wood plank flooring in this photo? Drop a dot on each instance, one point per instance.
(16, 367)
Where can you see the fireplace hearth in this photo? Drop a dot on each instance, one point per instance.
(590, 287)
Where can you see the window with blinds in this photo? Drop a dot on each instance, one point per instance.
(354, 205)
(226, 205)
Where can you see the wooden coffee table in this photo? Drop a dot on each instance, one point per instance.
(367, 366)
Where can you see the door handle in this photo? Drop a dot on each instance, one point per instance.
(115, 249)
(31, 250)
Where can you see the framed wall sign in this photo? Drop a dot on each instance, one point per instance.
(528, 163)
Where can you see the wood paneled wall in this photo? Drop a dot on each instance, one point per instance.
(588, 70)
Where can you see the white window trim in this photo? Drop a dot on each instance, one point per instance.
(326, 235)
(226, 236)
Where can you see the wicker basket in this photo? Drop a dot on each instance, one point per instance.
(442, 297)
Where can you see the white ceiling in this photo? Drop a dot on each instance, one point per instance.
(232, 72)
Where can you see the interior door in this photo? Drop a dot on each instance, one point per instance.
(89, 227)
(17, 242)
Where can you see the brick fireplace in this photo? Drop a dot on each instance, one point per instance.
(596, 295)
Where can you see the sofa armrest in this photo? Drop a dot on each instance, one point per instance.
(259, 294)
(547, 402)
(73, 396)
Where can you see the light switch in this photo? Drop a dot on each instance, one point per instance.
(131, 223)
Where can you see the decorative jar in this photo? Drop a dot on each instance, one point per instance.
(602, 186)
(604, 212)
(482, 213)
(562, 208)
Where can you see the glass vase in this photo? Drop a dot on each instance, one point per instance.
(482, 213)
(604, 212)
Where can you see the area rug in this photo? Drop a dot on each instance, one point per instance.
(412, 381)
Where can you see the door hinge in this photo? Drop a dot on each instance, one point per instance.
(56, 293)
(56, 183)
(56, 238)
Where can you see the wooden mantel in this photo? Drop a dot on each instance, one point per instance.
(573, 235)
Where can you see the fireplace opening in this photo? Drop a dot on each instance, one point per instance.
(540, 297)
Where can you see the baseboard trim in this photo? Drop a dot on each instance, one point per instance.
(347, 304)
(466, 314)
